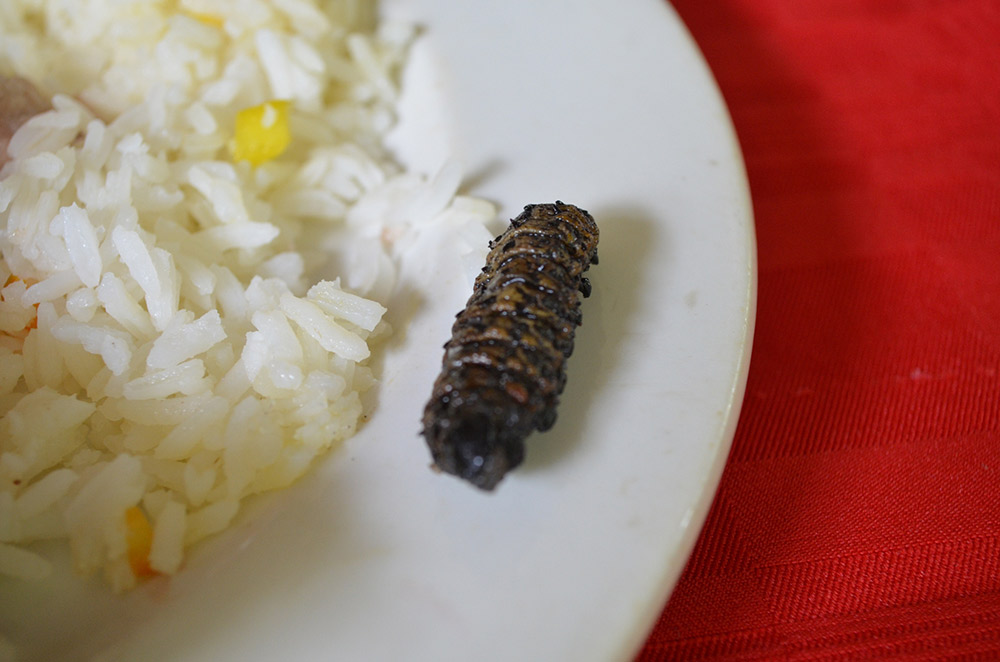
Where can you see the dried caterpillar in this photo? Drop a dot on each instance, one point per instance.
(504, 366)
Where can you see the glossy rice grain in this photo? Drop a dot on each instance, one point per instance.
(504, 366)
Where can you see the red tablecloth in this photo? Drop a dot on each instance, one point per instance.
(859, 513)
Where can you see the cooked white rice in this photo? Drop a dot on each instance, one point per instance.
(165, 347)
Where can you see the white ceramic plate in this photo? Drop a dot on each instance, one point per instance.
(605, 104)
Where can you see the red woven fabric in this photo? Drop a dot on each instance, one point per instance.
(859, 513)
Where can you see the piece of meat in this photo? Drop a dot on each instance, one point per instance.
(504, 366)
(19, 102)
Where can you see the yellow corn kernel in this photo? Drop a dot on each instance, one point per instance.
(262, 132)
(139, 540)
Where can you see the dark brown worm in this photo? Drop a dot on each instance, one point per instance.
(504, 366)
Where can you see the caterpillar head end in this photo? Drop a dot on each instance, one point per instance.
(474, 450)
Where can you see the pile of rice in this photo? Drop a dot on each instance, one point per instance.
(167, 343)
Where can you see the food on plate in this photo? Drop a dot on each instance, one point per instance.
(200, 226)
(504, 366)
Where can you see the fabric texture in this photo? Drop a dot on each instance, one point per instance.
(858, 516)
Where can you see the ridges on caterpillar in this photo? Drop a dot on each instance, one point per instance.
(504, 366)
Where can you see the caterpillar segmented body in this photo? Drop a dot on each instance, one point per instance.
(504, 366)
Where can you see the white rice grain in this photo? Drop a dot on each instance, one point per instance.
(22, 564)
(167, 549)
(11, 369)
(81, 243)
(113, 346)
(222, 193)
(321, 327)
(244, 235)
(123, 308)
(45, 492)
(181, 441)
(137, 257)
(187, 378)
(47, 132)
(210, 519)
(361, 312)
(54, 287)
(82, 304)
(182, 341)
(172, 411)
(45, 165)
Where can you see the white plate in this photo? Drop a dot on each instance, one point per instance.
(604, 104)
